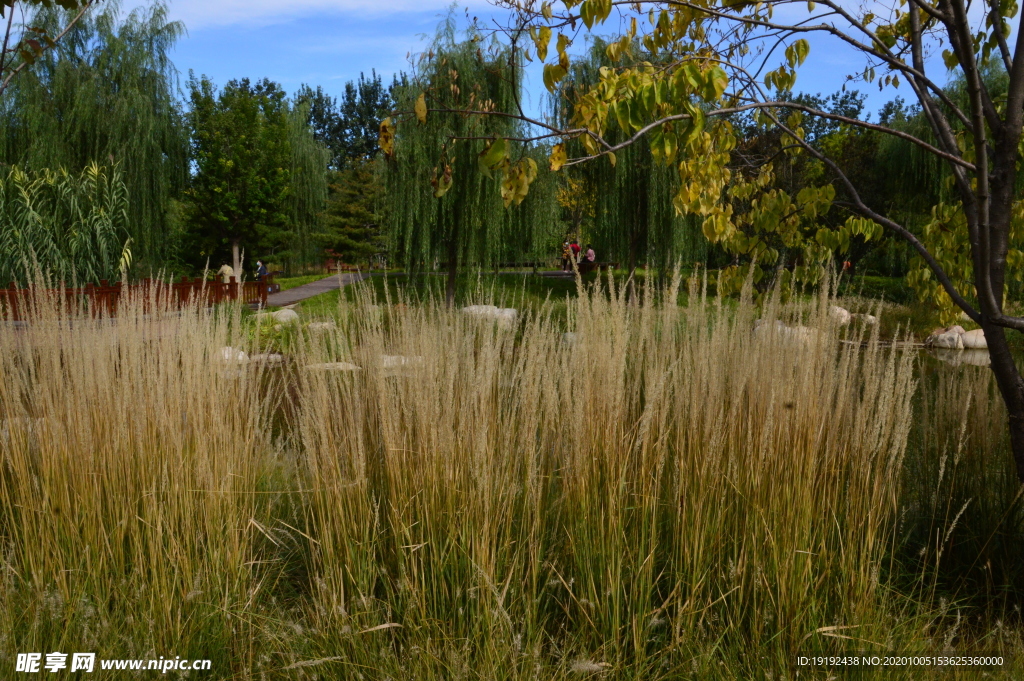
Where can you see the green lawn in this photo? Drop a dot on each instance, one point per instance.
(291, 282)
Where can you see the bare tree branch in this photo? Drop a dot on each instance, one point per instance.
(859, 206)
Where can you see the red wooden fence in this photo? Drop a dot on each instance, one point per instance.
(103, 299)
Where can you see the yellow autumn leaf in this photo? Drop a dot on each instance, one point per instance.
(442, 181)
(421, 107)
(557, 158)
(386, 137)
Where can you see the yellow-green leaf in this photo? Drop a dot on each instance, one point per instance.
(541, 41)
(558, 157)
(553, 73)
(421, 108)
(386, 137)
(492, 157)
(442, 181)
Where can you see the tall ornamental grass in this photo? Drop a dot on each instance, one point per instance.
(662, 493)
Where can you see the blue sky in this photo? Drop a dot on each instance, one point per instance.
(328, 42)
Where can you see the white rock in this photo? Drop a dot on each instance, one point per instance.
(285, 316)
(400, 361)
(481, 310)
(231, 355)
(975, 339)
(763, 328)
(321, 326)
(268, 357)
(949, 340)
(839, 315)
(868, 319)
(333, 366)
(505, 316)
(800, 334)
(956, 329)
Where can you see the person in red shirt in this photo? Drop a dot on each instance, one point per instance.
(575, 251)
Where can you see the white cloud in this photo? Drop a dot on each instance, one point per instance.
(201, 14)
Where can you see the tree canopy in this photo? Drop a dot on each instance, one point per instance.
(24, 43)
(242, 157)
(450, 179)
(349, 128)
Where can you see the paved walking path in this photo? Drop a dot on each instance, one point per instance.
(315, 288)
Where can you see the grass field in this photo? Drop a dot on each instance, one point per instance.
(292, 282)
(661, 495)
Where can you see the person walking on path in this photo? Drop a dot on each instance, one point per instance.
(575, 251)
(566, 254)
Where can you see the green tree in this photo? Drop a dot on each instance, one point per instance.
(307, 195)
(349, 128)
(242, 158)
(107, 92)
(440, 209)
(634, 221)
(351, 223)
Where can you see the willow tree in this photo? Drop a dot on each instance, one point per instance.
(718, 58)
(451, 179)
(308, 193)
(106, 93)
(634, 220)
(22, 44)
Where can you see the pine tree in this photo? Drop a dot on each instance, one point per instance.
(351, 223)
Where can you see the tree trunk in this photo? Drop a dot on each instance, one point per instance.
(236, 262)
(1011, 387)
(453, 269)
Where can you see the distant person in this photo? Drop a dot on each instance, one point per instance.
(575, 251)
(225, 273)
(566, 254)
(590, 256)
(261, 270)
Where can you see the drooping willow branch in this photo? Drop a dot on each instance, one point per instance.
(71, 24)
